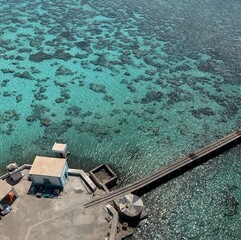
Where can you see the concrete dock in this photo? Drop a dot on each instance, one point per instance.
(53, 218)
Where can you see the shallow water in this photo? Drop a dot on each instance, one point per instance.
(135, 84)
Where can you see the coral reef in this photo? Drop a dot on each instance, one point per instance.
(132, 83)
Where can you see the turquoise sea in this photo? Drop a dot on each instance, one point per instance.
(135, 84)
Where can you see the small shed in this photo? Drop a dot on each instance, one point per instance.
(61, 149)
(49, 171)
(16, 175)
(7, 194)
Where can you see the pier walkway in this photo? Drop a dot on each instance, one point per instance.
(25, 166)
(166, 172)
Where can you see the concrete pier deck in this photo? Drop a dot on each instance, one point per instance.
(53, 218)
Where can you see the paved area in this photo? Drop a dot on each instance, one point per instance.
(54, 218)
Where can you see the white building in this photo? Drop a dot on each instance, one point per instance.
(61, 149)
(49, 171)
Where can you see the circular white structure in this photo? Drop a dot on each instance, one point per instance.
(130, 206)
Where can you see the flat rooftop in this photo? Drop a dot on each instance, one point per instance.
(47, 166)
(54, 218)
(59, 147)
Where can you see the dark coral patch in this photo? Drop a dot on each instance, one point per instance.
(60, 54)
(99, 88)
(73, 111)
(67, 35)
(40, 56)
(63, 71)
(25, 75)
(198, 113)
(152, 96)
(84, 45)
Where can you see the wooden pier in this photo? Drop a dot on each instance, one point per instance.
(173, 169)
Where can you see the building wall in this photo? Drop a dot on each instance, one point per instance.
(64, 174)
(38, 179)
